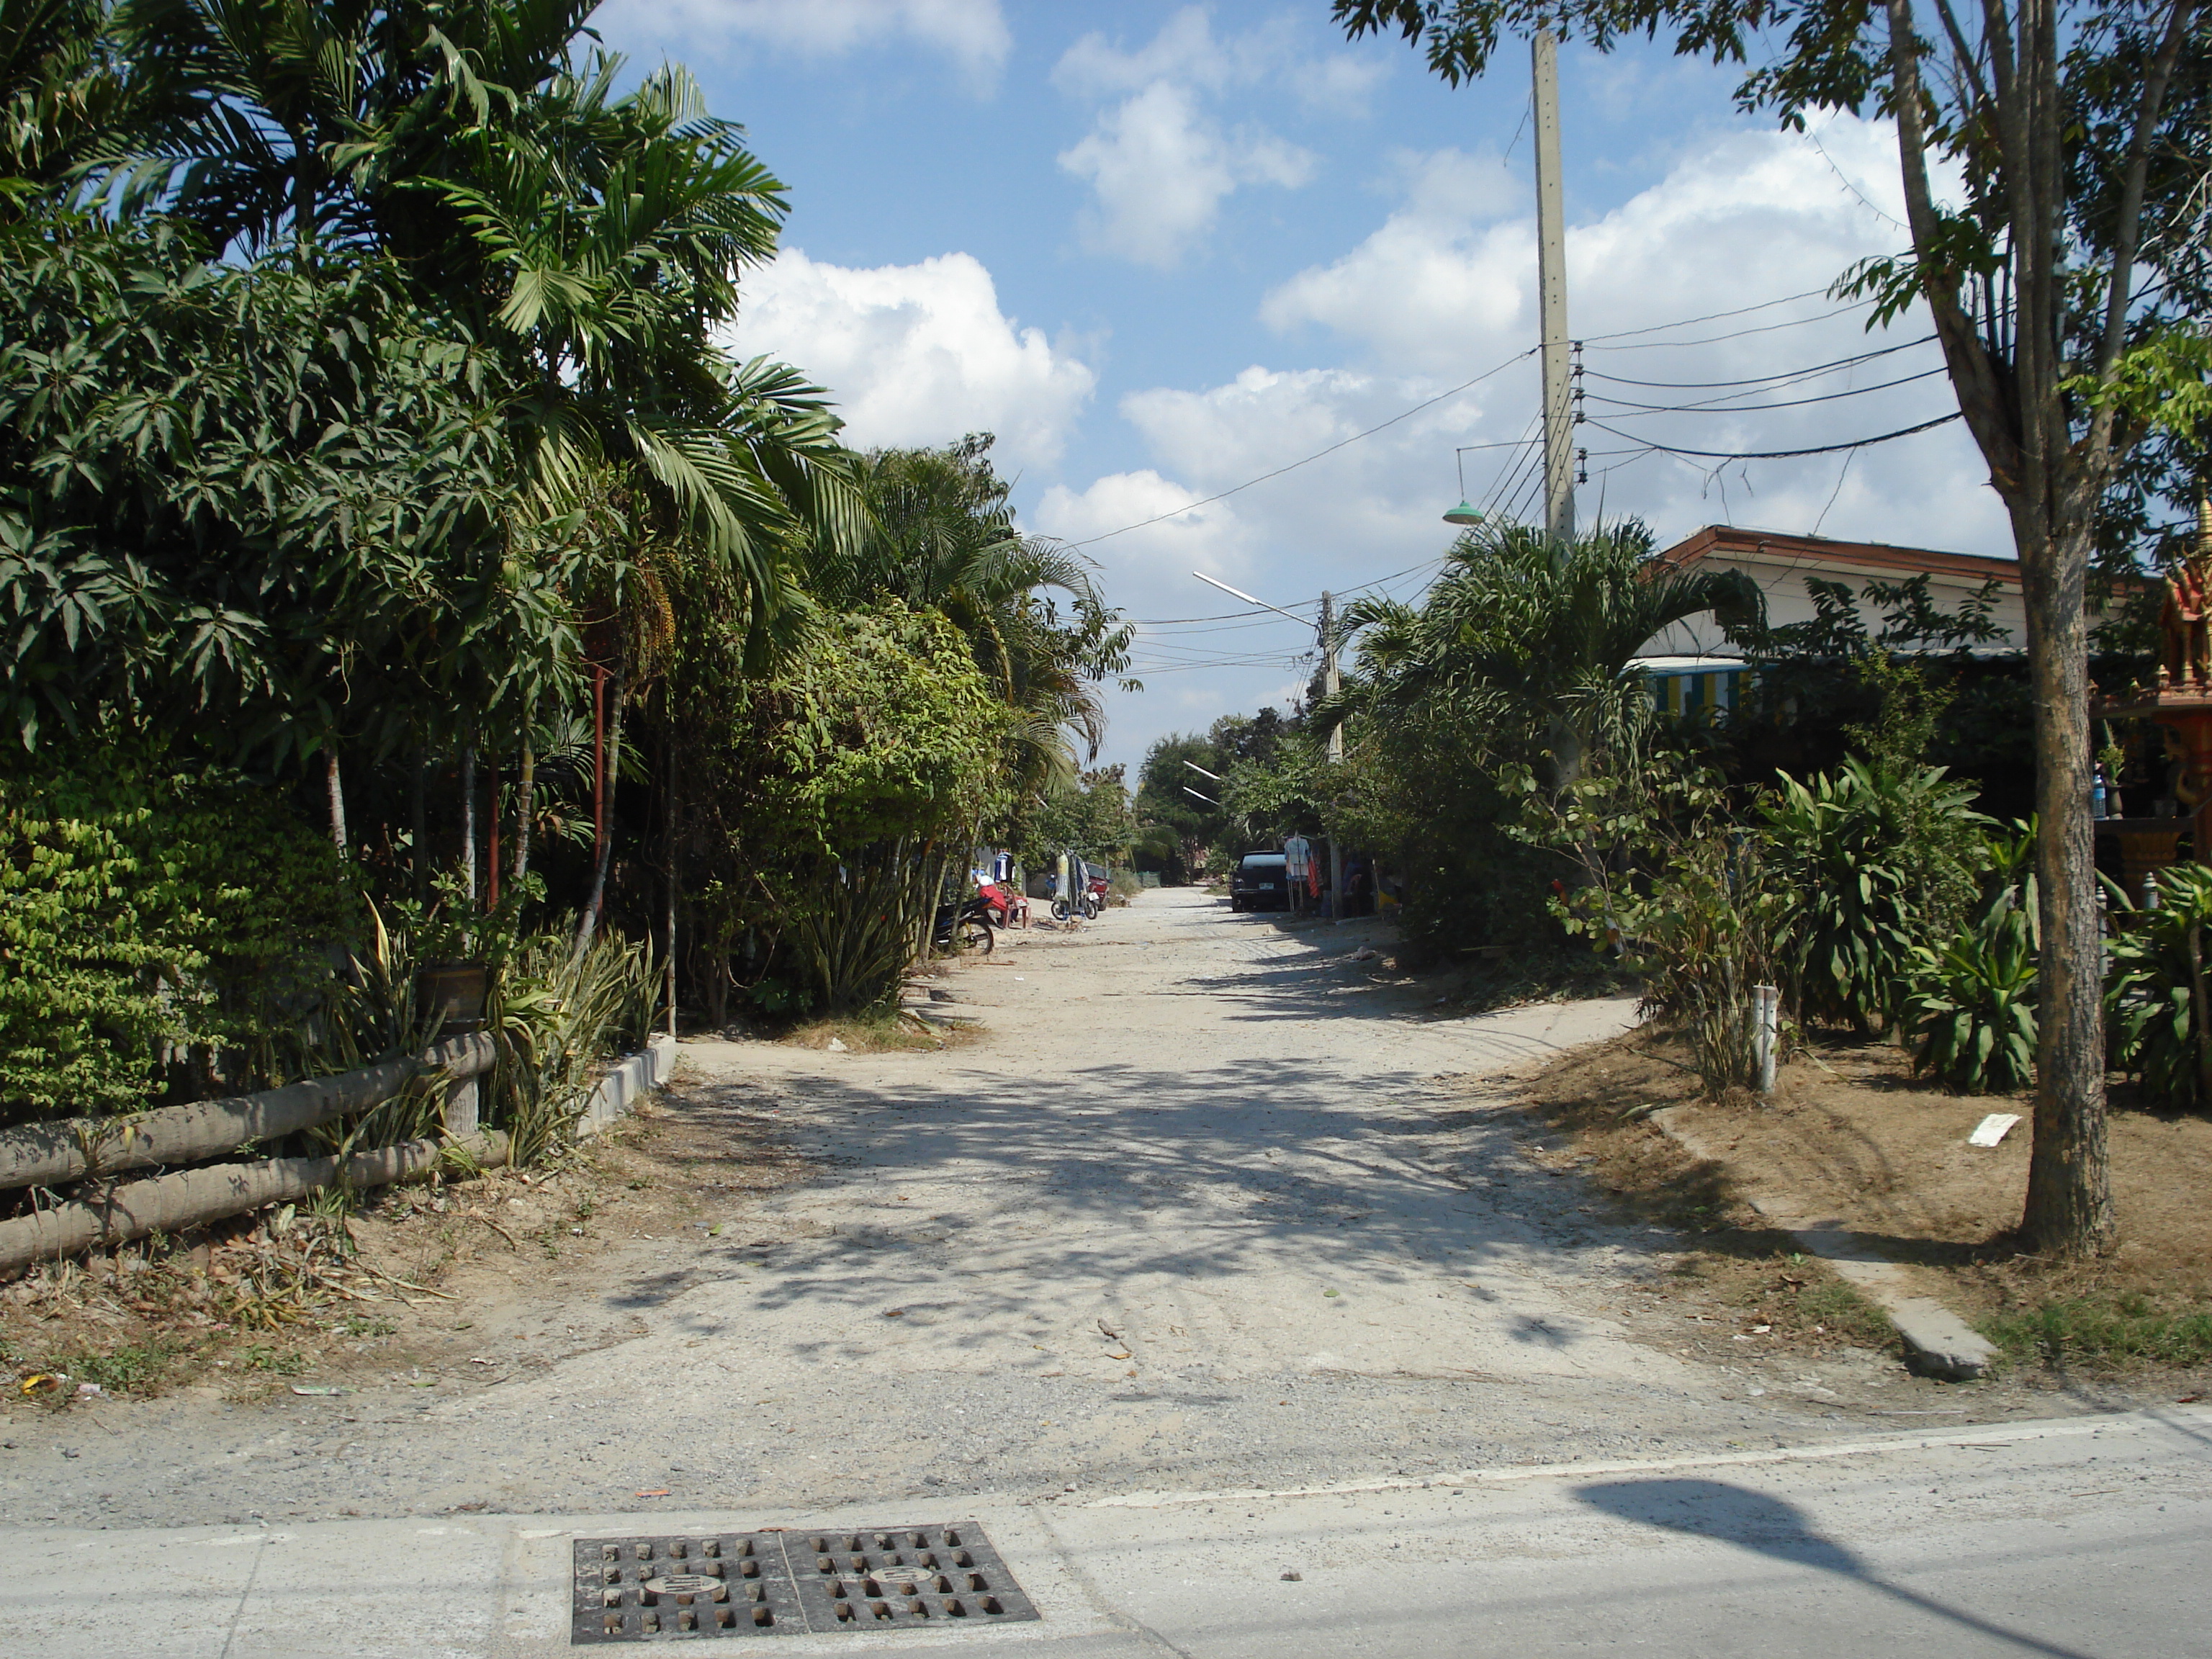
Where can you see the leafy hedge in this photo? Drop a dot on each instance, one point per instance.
(162, 932)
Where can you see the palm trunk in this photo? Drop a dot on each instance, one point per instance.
(525, 789)
(418, 824)
(491, 837)
(335, 786)
(669, 773)
(611, 769)
(468, 822)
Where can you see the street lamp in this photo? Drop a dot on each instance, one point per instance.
(1467, 512)
(1239, 594)
(1208, 799)
(1201, 771)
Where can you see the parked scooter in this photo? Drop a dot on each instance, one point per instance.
(964, 926)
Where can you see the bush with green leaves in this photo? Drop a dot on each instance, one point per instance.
(1968, 1012)
(2156, 991)
(1709, 930)
(1878, 859)
(840, 788)
(164, 930)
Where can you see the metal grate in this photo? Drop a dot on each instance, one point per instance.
(790, 1583)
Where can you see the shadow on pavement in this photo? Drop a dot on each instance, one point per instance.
(1772, 1527)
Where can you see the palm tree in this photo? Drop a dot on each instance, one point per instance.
(1527, 638)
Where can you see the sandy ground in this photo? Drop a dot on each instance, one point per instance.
(1203, 1209)
(1852, 1142)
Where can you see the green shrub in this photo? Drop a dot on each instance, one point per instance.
(1969, 1012)
(1708, 932)
(1968, 1009)
(2155, 989)
(1878, 859)
(162, 930)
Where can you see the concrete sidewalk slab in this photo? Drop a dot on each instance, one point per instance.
(2065, 1538)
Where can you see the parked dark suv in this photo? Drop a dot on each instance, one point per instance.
(1260, 879)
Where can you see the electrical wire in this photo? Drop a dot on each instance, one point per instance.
(1711, 407)
(1785, 454)
(1716, 317)
(1737, 334)
(1162, 518)
(1782, 375)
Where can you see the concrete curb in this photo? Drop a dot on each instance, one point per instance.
(632, 1076)
(1938, 1342)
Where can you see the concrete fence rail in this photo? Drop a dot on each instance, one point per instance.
(190, 1197)
(51, 1154)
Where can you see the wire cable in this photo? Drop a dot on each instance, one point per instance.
(1786, 375)
(1786, 454)
(1162, 518)
(1716, 317)
(1713, 408)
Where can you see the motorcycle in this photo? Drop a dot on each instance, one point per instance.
(964, 926)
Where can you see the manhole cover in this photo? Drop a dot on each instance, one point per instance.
(789, 1584)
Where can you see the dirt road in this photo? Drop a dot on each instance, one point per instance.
(1201, 1209)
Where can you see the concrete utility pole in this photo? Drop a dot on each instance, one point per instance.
(1552, 288)
(1328, 685)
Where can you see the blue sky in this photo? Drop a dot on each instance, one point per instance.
(1162, 249)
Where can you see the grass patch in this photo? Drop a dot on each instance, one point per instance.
(2125, 1329)
(133, 1368)
(279, 1362)
(1798, 1298)
(876, 1031)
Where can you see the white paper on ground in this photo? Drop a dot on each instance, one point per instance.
(1992, 1129)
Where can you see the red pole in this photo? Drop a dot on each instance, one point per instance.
(491, 849)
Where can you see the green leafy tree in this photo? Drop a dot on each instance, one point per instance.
(2061, 120)
(1526, 640)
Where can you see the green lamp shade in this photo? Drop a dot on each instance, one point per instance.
(1465, 512)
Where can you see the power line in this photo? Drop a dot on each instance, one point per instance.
(1786, 375)
(1737, 334)
(1162, 518)
(1712, 408)
(1784, 454)
(1717, 316)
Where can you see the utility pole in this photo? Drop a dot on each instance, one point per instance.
(1329, 686)
(1552, 289)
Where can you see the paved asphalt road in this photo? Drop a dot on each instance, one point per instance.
(1187, 1279)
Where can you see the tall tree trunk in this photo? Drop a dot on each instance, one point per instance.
(418, 825)
(2016, 405)
(335, 786)
(589, 921)
(669, 774)
(2069, 1201)
(525, 788)
(469, 822)
(491, 835)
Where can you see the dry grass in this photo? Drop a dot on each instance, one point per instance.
(261, 1304)
(1853, 1139)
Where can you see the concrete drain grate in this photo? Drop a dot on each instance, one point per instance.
(790, 1584)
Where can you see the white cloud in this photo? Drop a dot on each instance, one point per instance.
(1159, 159)
(1160, 168)
(1443, 290)
(917, 354)
(973, 33)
